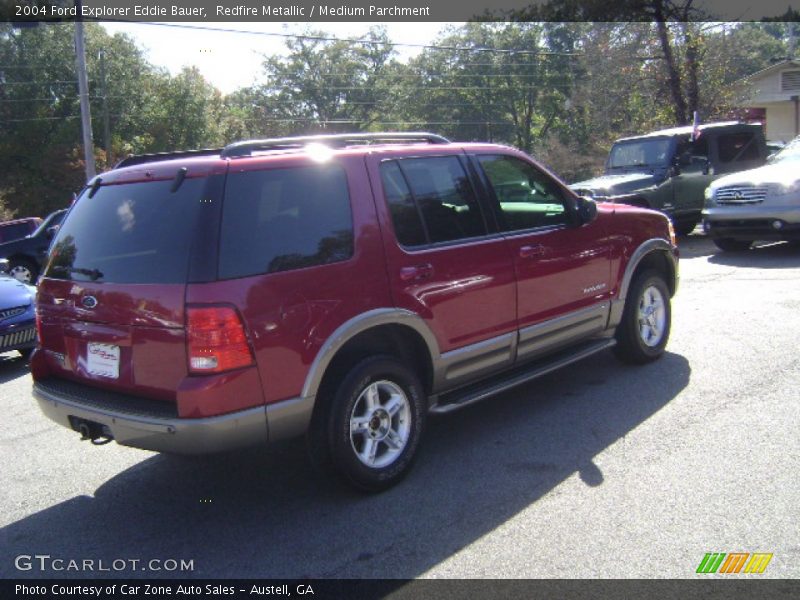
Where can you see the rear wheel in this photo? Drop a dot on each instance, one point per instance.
(646, 320)
(731, 245)
(374, 424)
(23, 269)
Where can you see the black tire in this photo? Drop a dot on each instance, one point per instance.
(19, 266)
(730, 245)
(26, 353)
(393, 384)
(684, 228)
(632, 347)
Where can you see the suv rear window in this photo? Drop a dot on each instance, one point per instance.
(283, 219)
(128, 233)
(735, 147)
(431, 200)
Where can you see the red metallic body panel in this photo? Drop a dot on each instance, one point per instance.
(628, 228)
(144, 320)
(555, 268)
(465, 292)
(289, 315)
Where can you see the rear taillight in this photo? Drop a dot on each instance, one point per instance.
(215, 340)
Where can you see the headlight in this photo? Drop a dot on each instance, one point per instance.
(709, 193)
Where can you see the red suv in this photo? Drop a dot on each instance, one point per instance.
(339, 286)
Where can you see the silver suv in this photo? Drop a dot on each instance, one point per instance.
(759, 204)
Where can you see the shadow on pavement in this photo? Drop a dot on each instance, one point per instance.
(265, 514)
(763, 255)
(12, 366)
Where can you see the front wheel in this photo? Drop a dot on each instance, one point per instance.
(646, 320)
(376, 420)
(23, 270)
(729, 245)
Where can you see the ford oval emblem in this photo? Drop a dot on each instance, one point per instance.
(89, 301)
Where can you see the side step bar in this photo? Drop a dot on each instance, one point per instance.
(465, 396)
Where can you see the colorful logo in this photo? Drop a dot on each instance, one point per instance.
(735, 562)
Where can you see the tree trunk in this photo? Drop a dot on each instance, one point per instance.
(678, 101)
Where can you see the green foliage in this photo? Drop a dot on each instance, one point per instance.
(561, 90)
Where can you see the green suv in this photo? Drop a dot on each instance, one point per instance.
(669, 170)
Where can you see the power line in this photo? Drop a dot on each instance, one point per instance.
(323, 38)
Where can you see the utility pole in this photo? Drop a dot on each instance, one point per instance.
(106, 125)
(83, 90)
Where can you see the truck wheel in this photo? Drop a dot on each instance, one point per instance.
(646, 320)
(729, 245)
(375, 423)
(23, 269)
(685, 227)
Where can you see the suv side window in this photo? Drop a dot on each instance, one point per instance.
(431, 200)
(736, 147)
(283, 219)
(527, 197)
(406, 217)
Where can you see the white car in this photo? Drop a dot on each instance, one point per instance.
(759, 204)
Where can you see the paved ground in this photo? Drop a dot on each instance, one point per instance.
(600, 470)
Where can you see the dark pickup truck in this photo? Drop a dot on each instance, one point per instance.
(669, 171)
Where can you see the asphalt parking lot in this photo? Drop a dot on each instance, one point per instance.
(599, 470)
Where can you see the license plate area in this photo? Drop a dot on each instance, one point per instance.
(102, 360)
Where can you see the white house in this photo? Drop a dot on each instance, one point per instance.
(772, 96)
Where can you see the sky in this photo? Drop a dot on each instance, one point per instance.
(233, 60)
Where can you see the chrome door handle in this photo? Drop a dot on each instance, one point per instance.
(531, 251)
(417, 272)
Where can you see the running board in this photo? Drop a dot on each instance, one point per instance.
(470, 394)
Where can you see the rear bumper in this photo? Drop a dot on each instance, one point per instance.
(163, 433)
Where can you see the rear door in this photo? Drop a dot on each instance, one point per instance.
(562, 268)
(111, 300)
(446, 261)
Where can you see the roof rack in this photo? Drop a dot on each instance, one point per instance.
(337, 140)
(139, 159)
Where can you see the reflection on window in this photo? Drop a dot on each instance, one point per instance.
(445, 198)
(528, 198)
(283, 219)
(735, 147)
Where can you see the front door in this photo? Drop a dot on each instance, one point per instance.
(562, 268)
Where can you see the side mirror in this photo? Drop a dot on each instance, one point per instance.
(51, 232)
(587, 210)
(3, 265)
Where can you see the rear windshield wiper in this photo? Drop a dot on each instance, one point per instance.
(93, 274)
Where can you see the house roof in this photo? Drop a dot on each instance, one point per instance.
(772, 69)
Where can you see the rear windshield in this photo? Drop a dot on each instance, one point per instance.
(128, 233)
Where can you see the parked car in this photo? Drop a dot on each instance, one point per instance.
(17, 323)
(338, 286)
(18, 228)
(26, 256)
(760, 204)
(668, 170)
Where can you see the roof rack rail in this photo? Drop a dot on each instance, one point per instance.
(337, 140)
(139, 159)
